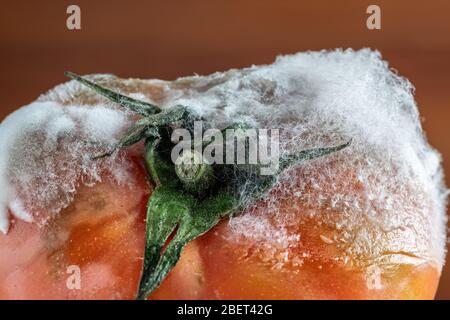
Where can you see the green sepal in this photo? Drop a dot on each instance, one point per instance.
(141, 107)
(167, 210)
(171, 212)
(309, 154)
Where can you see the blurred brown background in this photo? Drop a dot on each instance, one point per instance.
(167, 39)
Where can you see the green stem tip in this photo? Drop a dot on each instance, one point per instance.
(140, 107)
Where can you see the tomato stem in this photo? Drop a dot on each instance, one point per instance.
(187, 200)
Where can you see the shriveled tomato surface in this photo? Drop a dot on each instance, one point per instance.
(102, 233)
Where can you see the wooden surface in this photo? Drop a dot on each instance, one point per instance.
(167, 39)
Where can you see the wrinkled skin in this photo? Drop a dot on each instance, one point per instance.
(103, 233)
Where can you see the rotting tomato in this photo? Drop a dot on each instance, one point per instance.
(103, 233)
(103, 230)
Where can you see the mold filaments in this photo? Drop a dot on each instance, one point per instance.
(194, 171)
